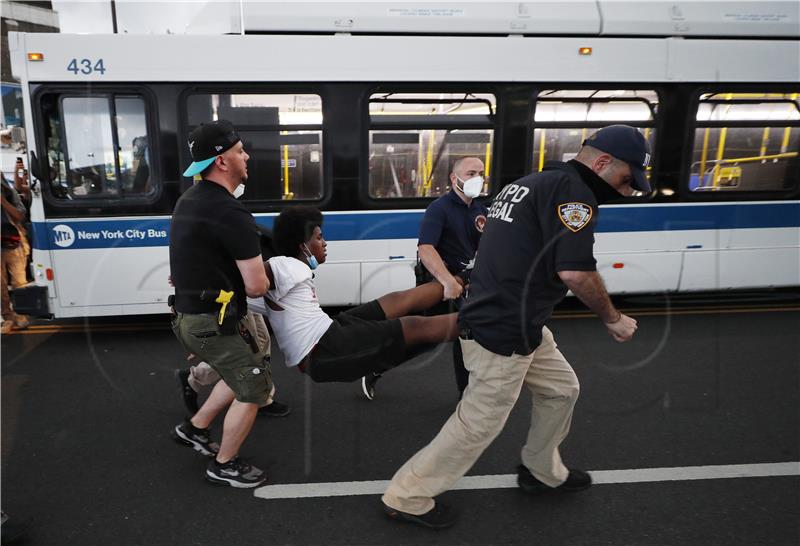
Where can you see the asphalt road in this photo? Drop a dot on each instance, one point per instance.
(87, 408)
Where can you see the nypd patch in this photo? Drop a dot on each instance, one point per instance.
(480, 222)
(574, 215)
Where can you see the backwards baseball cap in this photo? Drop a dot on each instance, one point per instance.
(627, 144)
(207, 142)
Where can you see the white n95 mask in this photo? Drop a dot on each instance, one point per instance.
(239, 191)
(472, 187)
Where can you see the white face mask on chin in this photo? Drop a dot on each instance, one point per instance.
(239, 191)
(471, 187)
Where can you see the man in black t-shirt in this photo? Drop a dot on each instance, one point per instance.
(215, 264)
(537, 243)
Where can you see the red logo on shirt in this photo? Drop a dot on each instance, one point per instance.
(480, 222)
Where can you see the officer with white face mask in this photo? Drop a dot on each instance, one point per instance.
(452, 226)
(448, 239)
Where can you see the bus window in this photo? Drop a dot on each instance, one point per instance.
(282, 134)
(414, 139)
(97, 147)
(563, 119)
(746, 142)
(134, 155)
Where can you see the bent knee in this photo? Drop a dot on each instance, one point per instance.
(483, 424)
(569, 388)
(567, 391)
(573, 390)
(318, 373)
(329, 372)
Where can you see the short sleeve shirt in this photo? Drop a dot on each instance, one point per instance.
(454, 229)
(301, 322)
(209, 231)
(537, 226)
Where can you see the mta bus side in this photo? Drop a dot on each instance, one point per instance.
(371, 146)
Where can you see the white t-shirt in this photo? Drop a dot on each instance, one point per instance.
(302, 322)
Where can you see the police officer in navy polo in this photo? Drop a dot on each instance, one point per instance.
(448, 239)
(537, 243)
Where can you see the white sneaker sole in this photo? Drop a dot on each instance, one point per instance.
(365, 390)
(185, 440)
(219, 480)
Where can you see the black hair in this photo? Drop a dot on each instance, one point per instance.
(267, 245)
(293, 227)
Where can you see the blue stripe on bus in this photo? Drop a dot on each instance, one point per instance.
(132, 232)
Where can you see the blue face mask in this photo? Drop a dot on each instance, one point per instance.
(311, 259)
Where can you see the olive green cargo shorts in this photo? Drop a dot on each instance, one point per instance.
(242, 368)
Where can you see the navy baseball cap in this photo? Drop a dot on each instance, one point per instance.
(207, 142)
(627, 144)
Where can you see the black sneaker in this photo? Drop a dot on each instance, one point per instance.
(578, 480)
(188, 395)
(368, 384)
(276, 409)
(441, 516)
(13, 531)
(198, 439)
(236, 473)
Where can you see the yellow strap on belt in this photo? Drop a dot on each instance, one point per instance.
(224, 298)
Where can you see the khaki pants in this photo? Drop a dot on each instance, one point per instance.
(495, 383)
(14, 262)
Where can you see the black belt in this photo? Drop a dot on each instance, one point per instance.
(466, 334)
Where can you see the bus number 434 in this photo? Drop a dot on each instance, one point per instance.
(85, 66)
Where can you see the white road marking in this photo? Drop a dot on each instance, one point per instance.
(503, 481)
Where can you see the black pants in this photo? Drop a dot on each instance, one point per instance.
(359, 341)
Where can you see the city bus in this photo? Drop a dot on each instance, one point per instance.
(365, 122)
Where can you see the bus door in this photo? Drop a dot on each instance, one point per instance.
(98, 162)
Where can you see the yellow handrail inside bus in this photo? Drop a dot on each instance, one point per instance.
(757, 158)
(487, 161)
(764, 142)
(721, 149)
(420, 177)
(542, 134)
(285, 168)
(720, 152)
(428, 180)
(704, 156)
(729, 173)
(787, 131)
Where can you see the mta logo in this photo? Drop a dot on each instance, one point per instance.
(63, 235)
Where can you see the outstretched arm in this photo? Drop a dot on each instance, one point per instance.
(404, 302)
(589, 287)
(433, 262)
